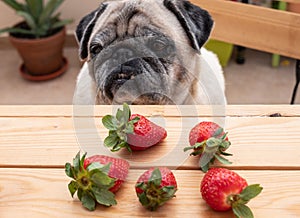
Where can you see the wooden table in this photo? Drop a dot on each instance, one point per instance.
(36, 142)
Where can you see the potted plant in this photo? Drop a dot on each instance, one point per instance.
(39, 38)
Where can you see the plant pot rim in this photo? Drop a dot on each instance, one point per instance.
(44, 77)
(62, 31)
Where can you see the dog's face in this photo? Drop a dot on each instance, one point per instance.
(140, 51)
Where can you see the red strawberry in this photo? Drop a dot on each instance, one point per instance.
(96, 179)
(118, 170)
(155, 187)
(223, 189)
(134, 132)
(208, 140)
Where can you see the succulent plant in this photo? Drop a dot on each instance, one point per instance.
(40, 18)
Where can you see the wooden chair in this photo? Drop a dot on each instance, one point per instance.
(255, 27)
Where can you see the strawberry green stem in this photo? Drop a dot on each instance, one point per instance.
(238, 201)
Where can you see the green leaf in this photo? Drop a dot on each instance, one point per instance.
(104, 197)
(224, 136)
(250, 192)
(14, 4)
(242, 211)
(96, 165)
(111, 140)
(101, 179)
(135, 120)
(88, 201)
(225, 153)
(199, 145)
(205, 159)
(121, 145)
(225, 144)
(69, 170)
(73, 186)
(126, 112)
(109, 122)
(61, 23)
(49, 8)
(218, 132)
(35, 8)
(143, 198)
(188, 148)
(170, 191)
(222, 159)
(205, 168)
(29, 19)
(156, 177)
(119, 115)
(76, 163)
(129, 128)
(79, 193)
(16, 30)
(213, 142)
(81, 162)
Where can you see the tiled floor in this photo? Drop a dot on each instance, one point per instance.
(255, 82)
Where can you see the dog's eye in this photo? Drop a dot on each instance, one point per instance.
(158, 45)
(95, 48)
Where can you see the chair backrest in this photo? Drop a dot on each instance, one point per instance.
(255, 27)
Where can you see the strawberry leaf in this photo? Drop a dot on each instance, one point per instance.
(73, 186)
(79, 193)
(222, 159)
(88, 201)
(129, 129)
(104, 196)
(218, 132)
(242, 211)
(143, 198)
(76, 163)
(111, 140)
(109, 122)
(101, 179)
(126, 112)
(169, 190)
(156, 177)
(205, 168)
(250, 192)
(205, 160)
(69, 170)
(134, 120)
(96, 165)
(188, 148)
(119, 115)
(213, 142)
(225, 154)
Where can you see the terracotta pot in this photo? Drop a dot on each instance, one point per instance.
(41, 56)
(293, 7)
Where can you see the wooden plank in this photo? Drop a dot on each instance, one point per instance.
(150, 110)
(255, 27)
(261, 142)
(43, 193)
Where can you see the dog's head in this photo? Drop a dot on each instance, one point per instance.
(138, 50)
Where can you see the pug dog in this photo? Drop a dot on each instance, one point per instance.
(147, 52)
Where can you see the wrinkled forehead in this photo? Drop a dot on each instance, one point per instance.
(125, 16)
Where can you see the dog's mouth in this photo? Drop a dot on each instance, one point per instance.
(118, 78)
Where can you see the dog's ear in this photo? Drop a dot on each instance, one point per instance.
(195, 21)
(85, 29)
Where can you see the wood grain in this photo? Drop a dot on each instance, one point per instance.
(255, 27)
(149, 110)
(260, 142)
(43, 193)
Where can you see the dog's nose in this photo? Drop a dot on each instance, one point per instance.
(123, 55)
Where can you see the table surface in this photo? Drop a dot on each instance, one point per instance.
(36, 142)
